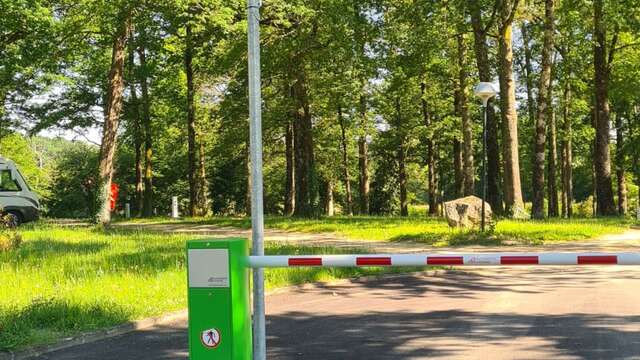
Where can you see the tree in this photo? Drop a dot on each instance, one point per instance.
(112, 116)
(512, 187)
(480, 31)
(543, 114)
(602, 58)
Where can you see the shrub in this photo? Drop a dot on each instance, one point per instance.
(9, 237)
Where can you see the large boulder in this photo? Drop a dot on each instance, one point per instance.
(466, 212)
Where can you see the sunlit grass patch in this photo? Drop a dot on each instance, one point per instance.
(435, 231)
(64, 280)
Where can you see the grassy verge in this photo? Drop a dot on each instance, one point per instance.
(432, 231)
(63, 281)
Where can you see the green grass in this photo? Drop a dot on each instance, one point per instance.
(431, 231)
(64, 281)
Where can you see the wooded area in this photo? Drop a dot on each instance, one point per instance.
(367, 106)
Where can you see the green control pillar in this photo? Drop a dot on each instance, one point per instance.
(219, 316)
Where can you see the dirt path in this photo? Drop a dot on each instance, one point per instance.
(627, 241)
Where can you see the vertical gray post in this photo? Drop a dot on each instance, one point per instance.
(127, 210)
(257, 220)
(174, 207)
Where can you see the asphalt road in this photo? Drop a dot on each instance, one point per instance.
(493, 313)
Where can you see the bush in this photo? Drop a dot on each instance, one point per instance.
(9, 237)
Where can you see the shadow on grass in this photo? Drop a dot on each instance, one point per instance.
(465, 238)
(48, 319)
(48, 247)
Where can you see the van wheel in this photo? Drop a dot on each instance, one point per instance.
(15, 219)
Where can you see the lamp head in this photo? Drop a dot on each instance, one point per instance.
(485, 91)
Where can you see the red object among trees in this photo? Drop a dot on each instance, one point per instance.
(113, 196)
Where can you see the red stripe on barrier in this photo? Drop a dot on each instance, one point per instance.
(519, 260)
(445, 260)
(364, 261)
(305, 261)
(597, 259)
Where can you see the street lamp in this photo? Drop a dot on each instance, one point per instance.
(485, 91)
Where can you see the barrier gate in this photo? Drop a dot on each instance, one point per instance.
(218, 280)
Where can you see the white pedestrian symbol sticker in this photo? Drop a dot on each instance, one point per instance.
(210, 338)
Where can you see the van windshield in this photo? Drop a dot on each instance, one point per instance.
(7, 183)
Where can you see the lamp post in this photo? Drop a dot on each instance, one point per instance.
(485, 91)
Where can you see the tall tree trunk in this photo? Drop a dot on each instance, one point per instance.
(431, 160)
(203, 184)
(329, 203)
(306, 182)
(363, 158)
(552, 167)
(402, 171)
(602, 158)
(620, 166)
(528, 70)
(494, 195)
(137, 128)
(345, 164)
(458, 171)
(468, 169)
(402, 179)
(509, 116)
(194, 208)
(111, 120)
(289, 186)
(148, 135)
(542, 114)
(568, 151)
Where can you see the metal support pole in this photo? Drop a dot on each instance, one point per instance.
(484, 166)
(257, 216)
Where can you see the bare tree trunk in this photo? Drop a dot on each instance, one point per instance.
(363, 159)
(568, 151)
(531, 103)
(620, 166)
(345, 164)
(137, 128)
(289, 186)
(468, 169)
(509, 115)
(203, 184)
(191, 125)
(542, 114)
(494, 195)
(148, 135)
(458, 171)
(552, 167)
(111, 120)
(329, 203)
(602, 157)
(402, 171)
(431, 161)
(402, 179)
(306, 181)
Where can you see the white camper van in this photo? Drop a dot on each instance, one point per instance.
(16, 198)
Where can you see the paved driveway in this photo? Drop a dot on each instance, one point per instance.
(490, 313)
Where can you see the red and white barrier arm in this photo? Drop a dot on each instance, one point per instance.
(478, 259)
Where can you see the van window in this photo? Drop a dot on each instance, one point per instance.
(7, 183)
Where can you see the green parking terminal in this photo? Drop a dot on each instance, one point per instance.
(219, 316)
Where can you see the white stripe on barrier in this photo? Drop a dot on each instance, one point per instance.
(477, 259)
